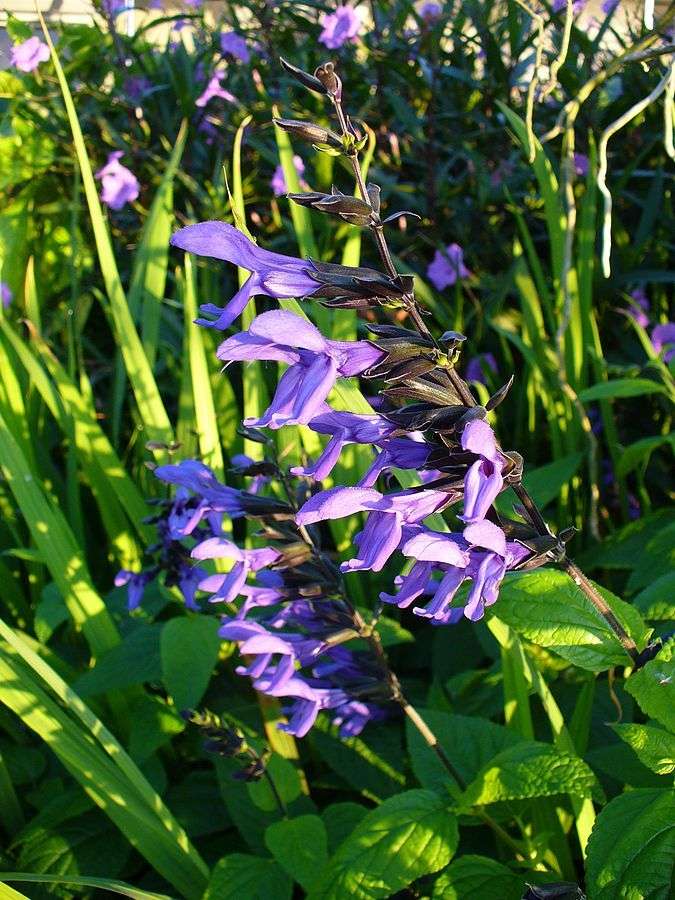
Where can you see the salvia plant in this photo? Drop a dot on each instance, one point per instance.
(390, 675)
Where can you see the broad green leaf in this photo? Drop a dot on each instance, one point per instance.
(529, 769)
(473, 877)
(133, 661)
(653, 746)
(653, 686)
(340, 820)
(631, 852)
(189, 652)
(621, 387)
(408, 836)
(657, 601)
(468, 741)
(657, 559)
(624, 549)
(286, 780)
(153, 724)
(300, 846)
(641, 451)
(392, 632)
(548, 608)
(546, 482)
(73, 847)
(243, 877)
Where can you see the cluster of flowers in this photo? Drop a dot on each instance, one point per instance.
(292, 620)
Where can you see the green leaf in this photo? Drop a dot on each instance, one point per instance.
(392, 632)
(106, 884)
(74, 847)
(50, 612)
(529, 769)
(286, 780)
(134, 661)
(18, 31)
(653, 686)
(631, 851)
(300, 846)
(640, 451)
(621, 387)
(243, 877)
(625, 548)
(189, 652)
(468, 741)
(546, 482)
(408, 836)
(340, 819)
(473, 877)
(657, 601)
(153, 724)
(548, 608)
(653, 746)
(656, 559)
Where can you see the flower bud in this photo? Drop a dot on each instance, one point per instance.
(328, 78)
(308, 131)
(309, 81)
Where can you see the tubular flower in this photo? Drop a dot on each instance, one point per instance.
(314, 363)
(27, 56)
(446, 267)
(483, 480)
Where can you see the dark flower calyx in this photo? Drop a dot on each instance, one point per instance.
(309, 81)
(262, 467)
(256, 506)
(308, 131)
(350, 209)
(327, 77)
(423, 417)
(500, 395)
(253, 772)
(353, 281)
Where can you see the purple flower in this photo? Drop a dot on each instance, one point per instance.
(430, 12)
(235, 45)
(278, 182)
(483, 480)
(273, 274)
(6, 295)
(481, 555)
(227, 588)
(341, 26)
(389, 515)
(639, 309)
(120, 185)
(136, 583)
(314, 363)
(26, 57)
(446, 267)
(608, 6)
(475, 370)
(344, 428)
(214, 497)
(663, 340)
(581, 164)
(214, 89)
(135, 86)
(561, 5)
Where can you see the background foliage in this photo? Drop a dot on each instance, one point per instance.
(101, 782)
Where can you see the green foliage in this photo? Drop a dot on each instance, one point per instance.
(477, 876)
(632, 848)
(254, 877)
(189, 650)
(408, 836)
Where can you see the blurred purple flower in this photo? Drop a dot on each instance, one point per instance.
(120, 185)
(314, 363)
(430, 12)
(26, 57)
(214, 89)
(6, 295)
(663, 341)
(235, 45)
(561, 6)
(608, 6)
(135, 86)
(341, 26)
(475, 370)
(483, 480)
(179, 25)
(278, 182)
(273, 274)
(639, 309)
(446, 267)
(581, 164)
